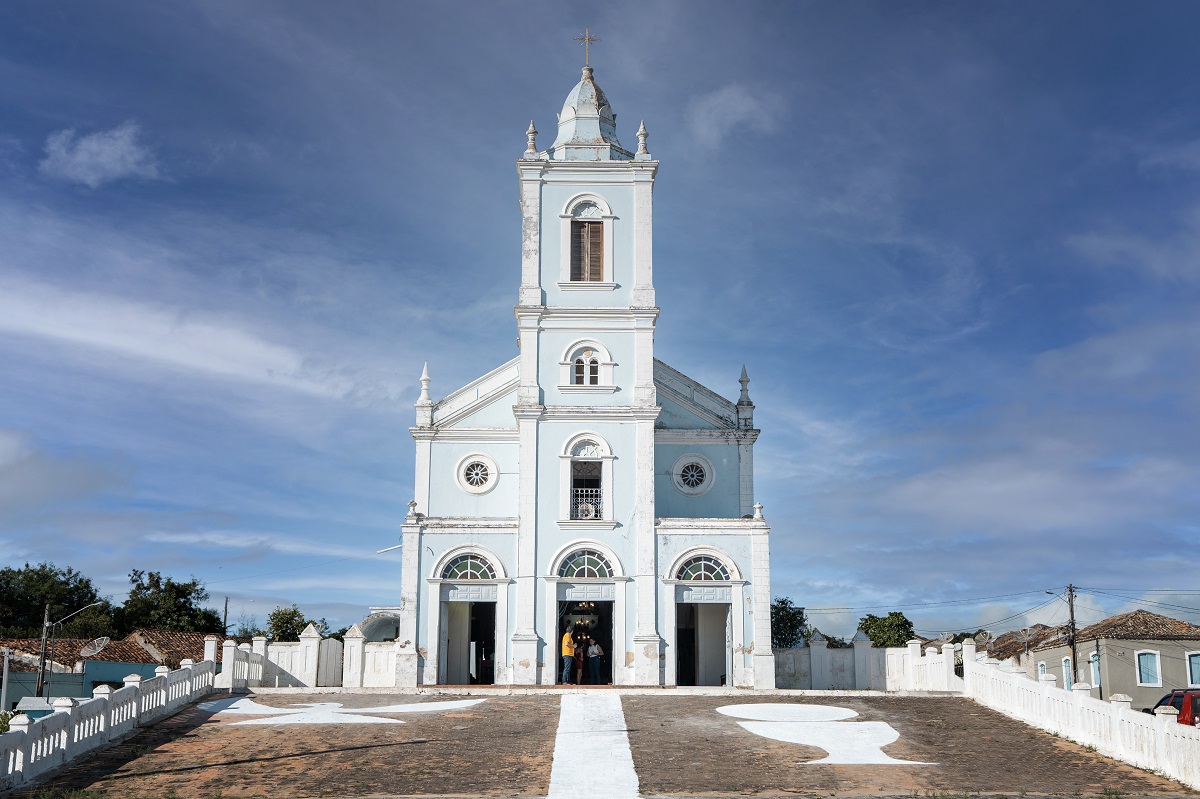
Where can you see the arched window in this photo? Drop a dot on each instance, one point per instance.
(703, 568)
(469, 567)
(585, 563)
(587, 371)
(586, 481)
(587, 244)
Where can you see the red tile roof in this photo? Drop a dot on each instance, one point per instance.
(170, 646)
(67, 651)
(1140, 625)
(1015, 642)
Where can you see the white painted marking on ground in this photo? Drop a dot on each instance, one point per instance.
(591, 750)
(847, 743)
(777, 712)
(324, 712)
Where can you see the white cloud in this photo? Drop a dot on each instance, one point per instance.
(187, 341)
(100, 157)
(1171, 258)
(1181, 155)
(713, 116)
(234, 539)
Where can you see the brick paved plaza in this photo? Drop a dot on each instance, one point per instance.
(508, 745)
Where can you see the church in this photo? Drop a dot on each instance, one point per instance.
(583, 488)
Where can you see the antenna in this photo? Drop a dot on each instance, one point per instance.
(94, 647)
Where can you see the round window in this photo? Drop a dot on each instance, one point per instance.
(693, 475)
(476, 474)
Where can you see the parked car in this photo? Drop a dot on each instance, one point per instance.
(1187, 702)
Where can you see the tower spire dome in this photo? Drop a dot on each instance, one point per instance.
(587, 126)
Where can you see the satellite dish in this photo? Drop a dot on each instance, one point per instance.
(94, 647)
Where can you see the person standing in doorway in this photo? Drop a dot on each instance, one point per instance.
(579, 663)
(594, 653)
(568, 656)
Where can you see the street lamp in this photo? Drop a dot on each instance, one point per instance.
(48, 629)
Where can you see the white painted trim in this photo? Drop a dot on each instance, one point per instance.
(1137, 667)
(599, 412)
(477, 435)
(587, 286)
(488, 462)
(1193, 677)
(586, 543)
(604, 363)
(573, 389)
(587, 524)
(435, 574)
(691, 552)
(1068, 669)
(607, 221)
(1042, 668)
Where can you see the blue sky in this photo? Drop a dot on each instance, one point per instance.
(957, 246)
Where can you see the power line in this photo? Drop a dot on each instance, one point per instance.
(922, 604)
(998, 622)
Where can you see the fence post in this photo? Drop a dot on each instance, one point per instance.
(310, 651)
(210, 648)
(66, 736)
(862, 660)
(818, 661)
(910, 664)
(968, 655)
(187, 663)
(103, 693)
(1121, 705)
(20, 723)
(948, 665)
(135, 681)
(352, 657)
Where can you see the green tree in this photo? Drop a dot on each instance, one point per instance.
(159, 603)
(286, 624)
(788, 623)
(893, 629)
(25, 592)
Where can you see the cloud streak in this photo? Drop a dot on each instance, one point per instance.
(98, 158)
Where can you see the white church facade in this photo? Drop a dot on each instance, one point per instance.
(584, 487)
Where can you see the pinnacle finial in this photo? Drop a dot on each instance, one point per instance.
(531, 147)
(642, 135)
(745, 381)
(425, 398)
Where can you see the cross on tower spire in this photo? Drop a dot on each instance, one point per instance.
(588, 39)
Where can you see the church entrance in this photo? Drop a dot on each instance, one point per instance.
(584, 620)
(703, 636)
(470, 643)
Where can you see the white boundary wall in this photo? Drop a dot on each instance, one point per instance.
(311, 662)
(31, 748)
(1157, 743)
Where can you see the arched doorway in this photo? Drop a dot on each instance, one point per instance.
(708, 628)
(586, 599)
(467, 623)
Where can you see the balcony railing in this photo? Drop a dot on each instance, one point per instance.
(587, 503)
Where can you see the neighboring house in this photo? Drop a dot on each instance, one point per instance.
(68, 673)
(170, 647)
(1140, 654)
(1015, 648)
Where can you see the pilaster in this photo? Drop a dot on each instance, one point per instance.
(408, 660)
(643, 232)
(648, 652)
(525, 640)
(760, 560)
(530, 175)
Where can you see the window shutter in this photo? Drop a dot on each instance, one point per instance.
(578, 232)
(596, 251)
(587, 251)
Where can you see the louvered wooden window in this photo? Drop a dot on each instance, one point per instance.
(587, 251)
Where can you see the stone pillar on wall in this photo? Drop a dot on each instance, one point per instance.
(352, 657)
(310, 651)
(968, 657)
(818, 652)
(862, 660)
(210, 647)
(910, 664)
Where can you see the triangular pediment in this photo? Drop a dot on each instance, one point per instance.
(687, 404)
(485, 402)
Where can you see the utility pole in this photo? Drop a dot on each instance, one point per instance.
(225, 619)
(41, 678)
(1071, 631)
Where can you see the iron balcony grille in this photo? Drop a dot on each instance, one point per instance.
(586, 503)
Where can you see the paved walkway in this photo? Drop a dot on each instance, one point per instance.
(601, 744)
(593, 724)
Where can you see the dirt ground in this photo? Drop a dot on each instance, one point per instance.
(504, 747)
(688, 748)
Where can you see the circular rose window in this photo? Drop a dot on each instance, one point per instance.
(693, 475)
(477, 474)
